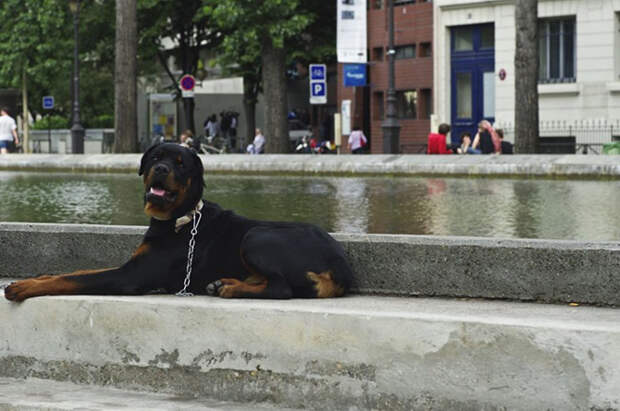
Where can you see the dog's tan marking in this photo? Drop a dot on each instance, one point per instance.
(324, 285)
(46, 285)
(142, 249)
(234, 288)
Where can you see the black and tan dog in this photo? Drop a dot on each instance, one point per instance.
(197, 247)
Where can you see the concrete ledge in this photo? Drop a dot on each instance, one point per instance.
(567, 166)
(357, 352)
(529, 270)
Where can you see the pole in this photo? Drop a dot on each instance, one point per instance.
(390, 126)
(77, 131)
(25, 125)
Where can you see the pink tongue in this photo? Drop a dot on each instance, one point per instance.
(158, 192)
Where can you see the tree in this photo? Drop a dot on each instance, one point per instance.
(38, 41)
(279, 31)
(190, 31)
(125, 76)
(526, 76)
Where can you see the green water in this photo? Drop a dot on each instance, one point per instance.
(583, 210)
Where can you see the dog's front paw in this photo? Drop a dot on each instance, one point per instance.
(17, 291)
(214, 288)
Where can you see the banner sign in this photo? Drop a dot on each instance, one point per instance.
(351, 38)
(354, 75)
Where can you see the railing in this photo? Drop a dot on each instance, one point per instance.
(571, 137)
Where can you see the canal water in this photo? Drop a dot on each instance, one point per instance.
(506, 208)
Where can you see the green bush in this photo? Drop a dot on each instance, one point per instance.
(102, 121)
(613, 148)
(55, 121)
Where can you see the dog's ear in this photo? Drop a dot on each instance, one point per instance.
(145, 157)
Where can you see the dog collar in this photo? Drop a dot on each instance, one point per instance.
(187, 218)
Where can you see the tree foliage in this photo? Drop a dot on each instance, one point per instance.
(264, 37)
(36, 37)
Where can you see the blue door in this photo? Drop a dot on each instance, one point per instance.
(472, 78)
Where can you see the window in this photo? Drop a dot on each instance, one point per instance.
(426, 50)
(404, 52)
(406, 104)
(463, 39)
(487, 37)
(377, 105)
(426, 103)
(377, 4)
(399, 2)
(377, 53)
(557, 51)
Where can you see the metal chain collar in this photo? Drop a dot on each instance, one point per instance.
(190, 255)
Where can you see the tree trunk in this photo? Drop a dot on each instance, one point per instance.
(125, 66)
(274, 87)
(188, 110)
(249, 104)
(526, 77)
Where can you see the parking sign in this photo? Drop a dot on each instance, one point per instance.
(48, 102)
(318, 84)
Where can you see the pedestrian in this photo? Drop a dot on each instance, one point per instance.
(8, 131)
(258, 145)
(437, 141)
(357, 140)
(465, 147)
(212, 127)
(186, 139)
(507, 147)
(486, 139)
(232, 130)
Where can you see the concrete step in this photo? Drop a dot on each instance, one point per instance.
(353, 353)
(39, 394)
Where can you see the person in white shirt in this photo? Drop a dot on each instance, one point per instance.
(257, 145)
(8, 131)
(357, 140)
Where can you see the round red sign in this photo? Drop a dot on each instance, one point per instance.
(188, 82)
(502, 74)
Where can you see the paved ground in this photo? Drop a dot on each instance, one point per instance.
(38, 394)
(568, 166)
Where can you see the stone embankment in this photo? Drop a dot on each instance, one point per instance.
(550, 166)
(433, 323)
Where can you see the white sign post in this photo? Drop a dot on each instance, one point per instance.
(345, 112)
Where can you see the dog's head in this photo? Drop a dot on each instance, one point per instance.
(173, 180)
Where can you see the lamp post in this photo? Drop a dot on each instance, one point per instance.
(77, 131)
(390, 126)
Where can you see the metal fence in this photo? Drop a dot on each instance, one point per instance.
(571, 137)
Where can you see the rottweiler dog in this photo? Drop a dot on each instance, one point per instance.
(194, 246)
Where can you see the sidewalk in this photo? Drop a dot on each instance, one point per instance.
(550, 166)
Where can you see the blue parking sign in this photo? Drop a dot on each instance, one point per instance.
(48, 102)
(318, 83)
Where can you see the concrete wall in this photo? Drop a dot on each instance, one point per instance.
(528, 270)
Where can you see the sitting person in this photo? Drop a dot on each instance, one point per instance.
(258, 145)
(486, 139)
(437, 141)
(507, 147)
(465, 147)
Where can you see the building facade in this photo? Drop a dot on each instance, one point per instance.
(579, 76)
(413, 40)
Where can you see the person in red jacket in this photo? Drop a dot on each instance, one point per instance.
(437, 141)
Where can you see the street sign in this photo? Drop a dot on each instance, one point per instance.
(318, 83)
(48, 102)
(354, 75)
(187, 84)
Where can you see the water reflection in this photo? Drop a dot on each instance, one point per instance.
(586, 210)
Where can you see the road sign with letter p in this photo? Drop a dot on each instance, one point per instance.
(318, 83)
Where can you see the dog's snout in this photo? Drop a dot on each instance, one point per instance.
(161, 169)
